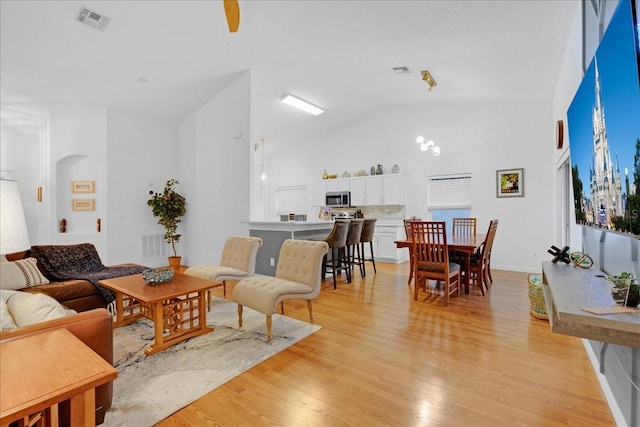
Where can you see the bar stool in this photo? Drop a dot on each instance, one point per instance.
(337, 241)
(367, 236)
(353, 245)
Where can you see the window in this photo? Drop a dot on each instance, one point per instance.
(449, 197)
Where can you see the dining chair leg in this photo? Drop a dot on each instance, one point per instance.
(410, 265)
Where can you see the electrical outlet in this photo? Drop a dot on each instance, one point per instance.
(535, 254)
(272, 262)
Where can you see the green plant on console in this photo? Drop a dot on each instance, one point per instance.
(624, 280)
(169, 207)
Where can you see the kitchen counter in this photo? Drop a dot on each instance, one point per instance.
(274, 233)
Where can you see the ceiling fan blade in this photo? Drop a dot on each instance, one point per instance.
(232, 10)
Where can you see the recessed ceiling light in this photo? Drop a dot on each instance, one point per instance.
(301, 105)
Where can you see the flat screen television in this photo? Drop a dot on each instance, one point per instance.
(604, 130)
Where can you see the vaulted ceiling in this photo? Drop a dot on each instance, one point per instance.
(336, 54)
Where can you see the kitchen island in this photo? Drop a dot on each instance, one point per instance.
(274, 233)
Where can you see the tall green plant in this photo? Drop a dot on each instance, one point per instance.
(169, 207)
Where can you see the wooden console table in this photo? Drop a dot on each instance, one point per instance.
(39, 371)
(569, 289)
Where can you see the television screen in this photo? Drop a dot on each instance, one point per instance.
(604, 131)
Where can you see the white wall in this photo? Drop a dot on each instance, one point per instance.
(475, 138)
(78, 147)
(214, 170)
(141, 156)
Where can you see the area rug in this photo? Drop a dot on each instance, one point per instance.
(149, 389)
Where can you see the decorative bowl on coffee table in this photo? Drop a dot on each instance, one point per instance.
(156, 276)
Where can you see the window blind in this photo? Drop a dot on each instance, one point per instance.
(449, 191)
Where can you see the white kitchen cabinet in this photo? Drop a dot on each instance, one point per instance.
(373, 190)
(358, 191)
(319, 189)
(374, 195)
(385, 249)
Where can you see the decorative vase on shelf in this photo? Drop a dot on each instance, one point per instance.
(346, 174)
(395, 169)
(373, 170)
(379, 170)
(325, 175)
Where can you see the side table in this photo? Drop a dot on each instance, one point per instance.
(39, 371)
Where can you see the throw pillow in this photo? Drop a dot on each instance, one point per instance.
(20, 274)
(6, 321)
(27, 308)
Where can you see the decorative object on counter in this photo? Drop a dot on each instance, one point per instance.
(560, 254)
(63, 225)
(156, 276)
(373, 170)
(625, 290)
(169, 207)
(334, 176)
(395, 169)
(325, 175)
(580, 259)
(361, 172)
(424, 146)
(379, 170)
(325, 213)
(346, 174)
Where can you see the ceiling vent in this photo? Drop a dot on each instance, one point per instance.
(401, 70)
(92, 19)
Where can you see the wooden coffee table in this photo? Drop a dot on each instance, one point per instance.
(177, 308)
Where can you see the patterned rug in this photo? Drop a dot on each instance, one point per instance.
(149, 389)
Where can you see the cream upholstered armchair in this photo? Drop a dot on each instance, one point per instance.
(238, 261)
(298, 276)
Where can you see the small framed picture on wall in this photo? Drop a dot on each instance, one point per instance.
(510, 183)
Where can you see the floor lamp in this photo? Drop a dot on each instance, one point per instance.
(13, 226)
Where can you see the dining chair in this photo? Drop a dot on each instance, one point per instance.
(479, 262)
(462, 227)
(431, 258)
(337, 241)
(408, 234)
(353, 245)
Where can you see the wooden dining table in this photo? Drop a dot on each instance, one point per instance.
(461, 243)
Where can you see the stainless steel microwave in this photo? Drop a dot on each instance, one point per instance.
(338, 199)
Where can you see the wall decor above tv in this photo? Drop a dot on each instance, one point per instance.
(604, 130)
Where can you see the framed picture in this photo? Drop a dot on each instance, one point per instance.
(510, 183)
(83, 204)
(86, 187)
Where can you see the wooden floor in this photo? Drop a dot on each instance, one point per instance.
(382, 359)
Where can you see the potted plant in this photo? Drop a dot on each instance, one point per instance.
(625, 289)
(169, 207)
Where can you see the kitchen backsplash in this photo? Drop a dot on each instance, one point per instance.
(384, 212)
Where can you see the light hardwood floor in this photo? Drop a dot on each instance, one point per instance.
(382, 359)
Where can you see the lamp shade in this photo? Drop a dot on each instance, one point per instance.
(13, 227)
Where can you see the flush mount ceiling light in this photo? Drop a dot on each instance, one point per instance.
(427, 77)
(424, 146)
(301, 105)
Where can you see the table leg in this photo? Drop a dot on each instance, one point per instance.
(467, 269)
(82, 408)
